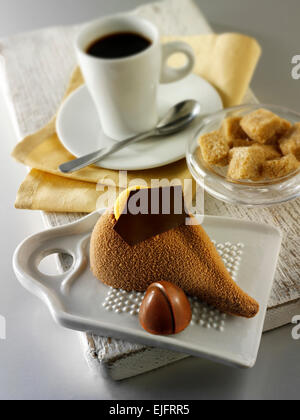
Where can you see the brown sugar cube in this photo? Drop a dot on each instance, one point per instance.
(246, 163)
(285, 127)
(290, 143)
(214, 148)
(243, 143)
(232, 130)
(278, 168)
(262, 125)
(270, 151)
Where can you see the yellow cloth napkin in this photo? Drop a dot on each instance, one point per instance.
(227, 61)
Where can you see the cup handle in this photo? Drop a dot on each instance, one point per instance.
(171, 74)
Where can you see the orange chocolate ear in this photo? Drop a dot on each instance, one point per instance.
(121, 201)
(149, 212)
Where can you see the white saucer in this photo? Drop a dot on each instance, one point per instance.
(78, 126)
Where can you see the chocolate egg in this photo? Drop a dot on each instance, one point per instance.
(165, 309)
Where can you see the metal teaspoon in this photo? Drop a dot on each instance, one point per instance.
(177, 118)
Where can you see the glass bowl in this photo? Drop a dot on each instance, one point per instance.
(245, 192)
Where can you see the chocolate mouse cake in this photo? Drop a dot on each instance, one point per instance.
(183, 254)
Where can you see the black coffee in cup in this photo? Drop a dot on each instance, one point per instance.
(118, 45)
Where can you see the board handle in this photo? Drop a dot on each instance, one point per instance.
(34, 249)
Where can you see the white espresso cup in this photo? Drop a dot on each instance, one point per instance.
(124, 90)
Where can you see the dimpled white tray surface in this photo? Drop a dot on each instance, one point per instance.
(77, 300)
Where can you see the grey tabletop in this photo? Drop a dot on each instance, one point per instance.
(33, 362)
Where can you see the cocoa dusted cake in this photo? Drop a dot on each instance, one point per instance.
(131, 251)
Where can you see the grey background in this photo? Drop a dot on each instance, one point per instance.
(42, 360)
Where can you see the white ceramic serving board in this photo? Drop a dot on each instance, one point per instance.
(79, 129)
(77, 300)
